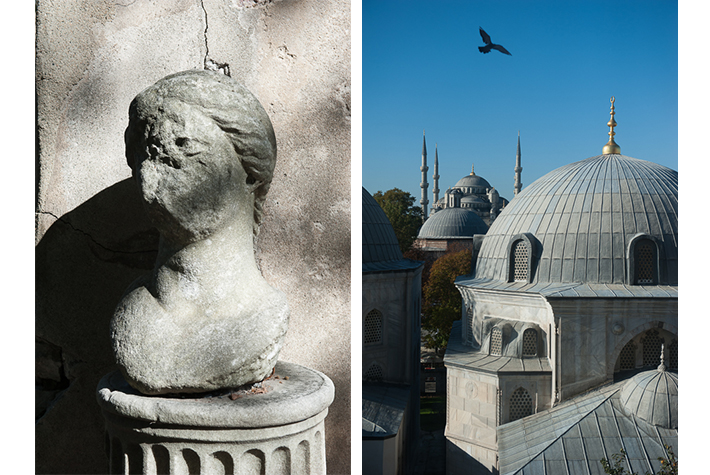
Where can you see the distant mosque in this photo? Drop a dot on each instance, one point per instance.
(466, 209)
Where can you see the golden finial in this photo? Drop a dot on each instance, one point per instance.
(611, 146)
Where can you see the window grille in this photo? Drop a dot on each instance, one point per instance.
(373, 327)
(520, 261)
(627, 358)
(469, 323)
(645, 262)
(374, 373)
(651, 348)
(530, 342)
(673, 355)
(520, 404)
(496, 341)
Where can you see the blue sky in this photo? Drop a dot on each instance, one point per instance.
(421, 70)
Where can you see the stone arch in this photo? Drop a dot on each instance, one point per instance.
(633, 334)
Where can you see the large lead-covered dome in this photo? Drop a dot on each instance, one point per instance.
(582, 223)
(452, 223)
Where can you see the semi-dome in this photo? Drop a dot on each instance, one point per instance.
(379, 242)
(473, 201)
(452, 223)
(653, 397)
(583, 222)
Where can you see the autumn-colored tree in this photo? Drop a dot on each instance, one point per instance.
(442, 301)
(406, 219)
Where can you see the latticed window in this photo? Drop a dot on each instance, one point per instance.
(496, 341)
(530, 342)
(645, 262)
(373, 327)
(469, 323)
(627, 358)
(651, 348)
(520, 404)
(374, 373)
(673, 355)
(520, 261)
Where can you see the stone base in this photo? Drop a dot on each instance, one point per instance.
(279, 431)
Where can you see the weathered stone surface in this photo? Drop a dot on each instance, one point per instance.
(203, 151)
(92, 233)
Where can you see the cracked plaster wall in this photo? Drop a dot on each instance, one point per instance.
(92, 238)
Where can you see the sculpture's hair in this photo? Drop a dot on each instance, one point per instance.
(233, 108)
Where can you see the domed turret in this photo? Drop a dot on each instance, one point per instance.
(653, 397)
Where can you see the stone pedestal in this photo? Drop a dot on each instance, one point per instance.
(273, 429)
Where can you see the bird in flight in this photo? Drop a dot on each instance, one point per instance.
(489, 46)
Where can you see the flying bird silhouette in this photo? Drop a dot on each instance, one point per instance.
(489, 46)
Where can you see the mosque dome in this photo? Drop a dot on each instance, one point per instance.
(379, 242)
(452, 223)
(585, 222)
(653, 397)
(473, 181)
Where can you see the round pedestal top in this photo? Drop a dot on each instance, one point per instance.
(292, 393)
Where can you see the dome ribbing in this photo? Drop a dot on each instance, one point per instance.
(583, 217)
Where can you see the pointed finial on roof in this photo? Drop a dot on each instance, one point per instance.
(662, 366)
(611, 146)
(472, 169)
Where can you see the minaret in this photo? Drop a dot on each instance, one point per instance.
(436, 175)
(518, 169)
(611, 147)
(424, 201)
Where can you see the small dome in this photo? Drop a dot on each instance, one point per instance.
(452, 223)
(653, 397)
(472, 181)
(584, 216)
(379, 242)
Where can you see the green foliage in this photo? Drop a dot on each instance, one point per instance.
(441, 305)
(668, 466)
(406, 218)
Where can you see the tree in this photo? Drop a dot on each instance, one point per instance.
(442, 300)
(669, 466)
(406, 218)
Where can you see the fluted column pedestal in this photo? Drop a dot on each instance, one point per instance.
(277, 429)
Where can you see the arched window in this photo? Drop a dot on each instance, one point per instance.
(673, 355)
(627, 358)
(496, 341)
(372, 332)
(645, 262)
(530, 342)
(374, 373)
(520, 404)
(651, 348)
(469, 323)
(520, 261)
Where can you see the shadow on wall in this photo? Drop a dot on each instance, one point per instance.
(83, 264)
(458, 461)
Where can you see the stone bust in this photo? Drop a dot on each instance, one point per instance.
(202, 150)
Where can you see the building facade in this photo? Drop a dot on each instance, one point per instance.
(574, 289)
(391, 328)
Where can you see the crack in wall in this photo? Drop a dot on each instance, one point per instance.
(89, 236)
(208, 63)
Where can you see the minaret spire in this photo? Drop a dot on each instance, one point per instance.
(436, 175)
(518, 169)
(424, 185)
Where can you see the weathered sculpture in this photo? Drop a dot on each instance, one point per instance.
(202, 150)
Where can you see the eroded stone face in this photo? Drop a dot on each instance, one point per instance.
(202, 152)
